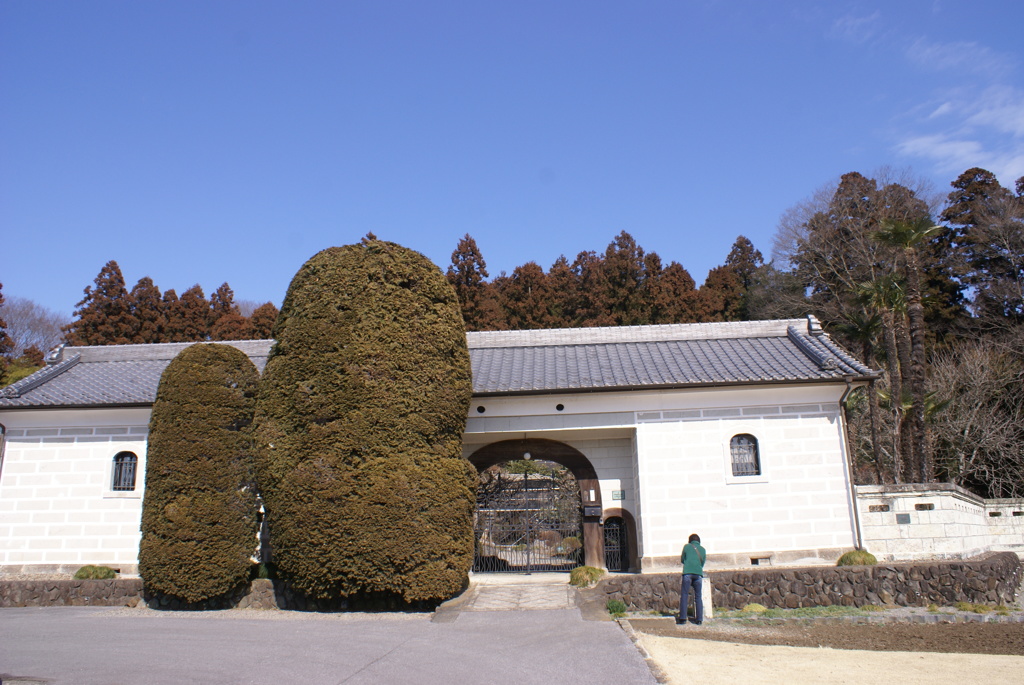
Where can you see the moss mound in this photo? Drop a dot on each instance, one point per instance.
(199, 514)
(857, 557)
(361, 412)
(91, 572)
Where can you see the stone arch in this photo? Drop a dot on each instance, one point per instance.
(572, 459)
(631, 539)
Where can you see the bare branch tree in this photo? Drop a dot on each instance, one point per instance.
(33, 325)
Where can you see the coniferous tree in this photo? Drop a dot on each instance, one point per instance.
(148, 312)
(591, 306)
(722, 293)
(563, 289)
(676, 299)
(744, 259)
(526, 297)
(104, 315)
(988, 231)
(190, 315)
(467, 274)
(624, 281)
(226, 321)
(262, 321)
(360, 417)
(174, 325)
(199, 516)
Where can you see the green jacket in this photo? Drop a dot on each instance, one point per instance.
(692, 558)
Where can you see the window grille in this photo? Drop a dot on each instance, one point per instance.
(124, 472)
(745, 458)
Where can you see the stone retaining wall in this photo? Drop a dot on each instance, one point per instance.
(259, 594)
(119, 592)
(73, 593)
(991, 579)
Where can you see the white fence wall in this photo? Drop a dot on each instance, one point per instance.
(936, 521)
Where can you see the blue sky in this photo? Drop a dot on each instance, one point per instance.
(203, 142)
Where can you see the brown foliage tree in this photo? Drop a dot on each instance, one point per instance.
(148, 312)
(6, 344)
(104, 315)
(479, 302)
(262, 321)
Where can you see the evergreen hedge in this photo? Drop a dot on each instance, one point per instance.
(199, 516)
(360, 418)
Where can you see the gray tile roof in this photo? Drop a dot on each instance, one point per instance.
(504, 362)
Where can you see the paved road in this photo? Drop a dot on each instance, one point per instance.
(94, 645)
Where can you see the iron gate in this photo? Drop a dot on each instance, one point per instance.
(528, 518)
(615, 554)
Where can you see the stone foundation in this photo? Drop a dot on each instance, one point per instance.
(991, 579)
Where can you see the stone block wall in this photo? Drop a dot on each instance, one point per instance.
(991, 579)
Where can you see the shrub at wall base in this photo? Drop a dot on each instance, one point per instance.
(199, 516)
(360, 418)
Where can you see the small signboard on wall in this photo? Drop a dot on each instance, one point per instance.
(591, 511)
(618, 494)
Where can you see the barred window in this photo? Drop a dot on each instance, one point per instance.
(745, 459)
(124, 472)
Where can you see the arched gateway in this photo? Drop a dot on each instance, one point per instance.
(580, 467)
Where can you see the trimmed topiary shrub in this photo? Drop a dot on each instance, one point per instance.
(90, 572)
(199, 516)
(360, 418)
(857, 557)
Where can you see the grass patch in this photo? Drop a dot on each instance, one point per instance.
(616, 608)
(584, 576)
(802, 612)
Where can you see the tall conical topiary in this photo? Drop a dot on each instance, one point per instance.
(360, 418)
(199, 516)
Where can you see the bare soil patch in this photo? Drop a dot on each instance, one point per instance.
(961, 638)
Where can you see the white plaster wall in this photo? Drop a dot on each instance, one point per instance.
(960, 525)
(677, 469)
(800, 502)
(56, 505)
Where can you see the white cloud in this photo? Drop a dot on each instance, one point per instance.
(953, 155)
(1001, 108)
(973, 121)
(961, 56)
(857, 29)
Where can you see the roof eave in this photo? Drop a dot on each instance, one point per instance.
(857, 380)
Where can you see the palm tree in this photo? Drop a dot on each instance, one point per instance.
(908, 236)
(863, 328)
(886, 296)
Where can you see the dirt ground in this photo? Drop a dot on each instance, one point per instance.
(964, 638)
(834, 652)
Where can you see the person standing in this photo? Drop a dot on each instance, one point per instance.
(692, 558)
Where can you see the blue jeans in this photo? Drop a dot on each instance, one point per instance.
(691, 579)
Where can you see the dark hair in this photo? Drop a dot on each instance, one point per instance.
(695, 538)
